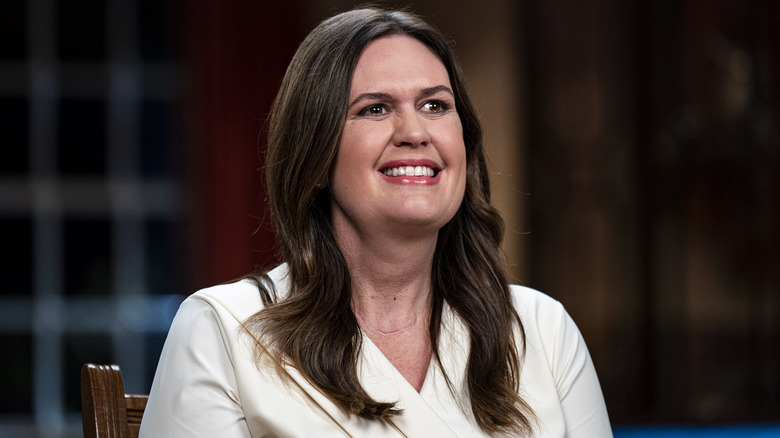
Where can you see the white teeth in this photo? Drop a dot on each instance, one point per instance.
(409, 171)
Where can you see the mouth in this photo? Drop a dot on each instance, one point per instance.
(410, 171)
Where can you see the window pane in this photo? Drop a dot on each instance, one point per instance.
(155, 38)
(13, 29)
(82, 136)
(13, 126)
(81, 32)
(87, 257)
(15, 378)
(16, 258)
(157, 141)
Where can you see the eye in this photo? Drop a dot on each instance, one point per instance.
(435, 106)
(377, 109)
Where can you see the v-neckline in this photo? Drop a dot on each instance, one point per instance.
(383, 382)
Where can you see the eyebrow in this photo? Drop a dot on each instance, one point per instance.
(425, 92)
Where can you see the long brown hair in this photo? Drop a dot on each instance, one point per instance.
(313, 327)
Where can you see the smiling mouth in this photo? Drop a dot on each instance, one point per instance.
(410, 171)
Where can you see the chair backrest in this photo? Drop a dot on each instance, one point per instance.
(106, 411)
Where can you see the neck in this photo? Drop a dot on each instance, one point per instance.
(369, 327)
(391, 280)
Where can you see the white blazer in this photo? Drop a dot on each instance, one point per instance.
(208, 383)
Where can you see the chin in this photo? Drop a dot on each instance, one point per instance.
(423, 222)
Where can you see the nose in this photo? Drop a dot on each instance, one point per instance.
(410, 130)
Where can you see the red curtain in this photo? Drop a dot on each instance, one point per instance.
(235, 54)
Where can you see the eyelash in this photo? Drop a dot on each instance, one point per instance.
(367, 111)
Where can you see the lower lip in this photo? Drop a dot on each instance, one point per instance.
(412, 180)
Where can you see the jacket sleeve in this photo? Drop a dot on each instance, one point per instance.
(584, 410)
(194, 393)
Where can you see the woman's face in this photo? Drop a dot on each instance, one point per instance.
(401, 163)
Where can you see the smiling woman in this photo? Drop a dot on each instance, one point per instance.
(392, 314)
(401, 125)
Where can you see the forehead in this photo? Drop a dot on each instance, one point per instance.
(397, 61)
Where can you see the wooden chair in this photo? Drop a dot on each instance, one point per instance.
(106, 411)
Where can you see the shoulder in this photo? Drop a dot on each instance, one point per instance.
(235, 301)
(535, 307)
(241, 298)
(544, 319)
(557, 374)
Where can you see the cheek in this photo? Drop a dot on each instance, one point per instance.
(348, 149)
(462, 163)
(354, 154)
(456, 153)
(451, 140)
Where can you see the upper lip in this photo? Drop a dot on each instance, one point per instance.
(409, 162)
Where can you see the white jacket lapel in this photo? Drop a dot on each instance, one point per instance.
(383, 382)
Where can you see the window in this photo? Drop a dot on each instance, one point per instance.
(89, 201)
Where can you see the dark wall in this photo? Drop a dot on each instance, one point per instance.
(653, 147)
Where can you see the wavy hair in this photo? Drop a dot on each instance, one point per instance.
(313, 327)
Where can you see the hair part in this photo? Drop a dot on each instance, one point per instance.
(313, 328)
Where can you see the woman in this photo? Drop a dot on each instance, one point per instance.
(392, 315)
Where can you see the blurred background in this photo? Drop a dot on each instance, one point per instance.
(634, 147)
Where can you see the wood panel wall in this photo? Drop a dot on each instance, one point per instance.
(653, 149)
